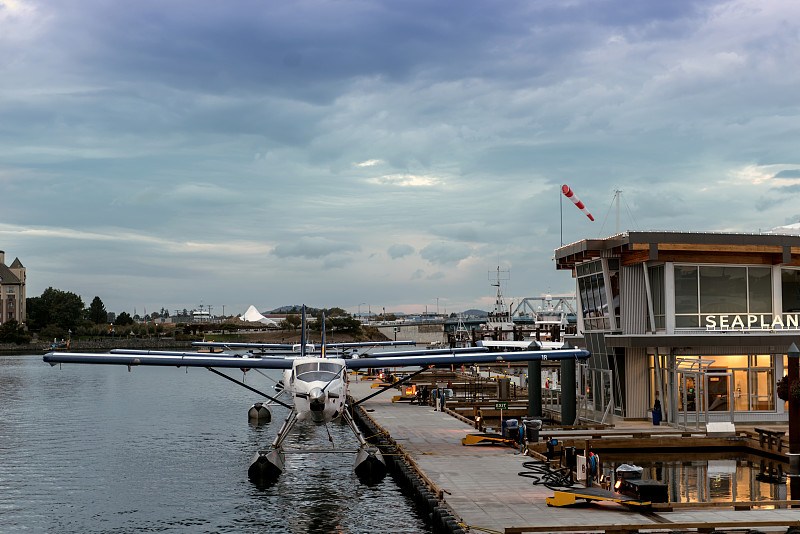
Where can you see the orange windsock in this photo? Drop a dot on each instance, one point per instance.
(575, 200)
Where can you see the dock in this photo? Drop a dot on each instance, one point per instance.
(482, 486)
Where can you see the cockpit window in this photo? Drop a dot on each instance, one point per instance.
(317, 371)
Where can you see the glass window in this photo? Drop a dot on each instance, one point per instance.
(762, 388)
(759, 289)
(685, 289)
(723, 290)
(584, 297)
(790, 289)
(600, 288)
(687, 321)
(726, 297)
(656, 275)
(762, 360)
(322, 371)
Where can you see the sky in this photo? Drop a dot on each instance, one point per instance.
(375, 154)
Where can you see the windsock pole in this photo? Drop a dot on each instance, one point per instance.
(575, 200)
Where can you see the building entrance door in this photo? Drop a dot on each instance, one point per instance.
(718, 394)
(689, 392)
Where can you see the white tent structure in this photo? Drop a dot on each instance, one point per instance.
(253, 316)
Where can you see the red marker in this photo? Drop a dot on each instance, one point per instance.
(570, 195)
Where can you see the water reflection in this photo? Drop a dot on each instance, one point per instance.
(100, 449)
(709, 477)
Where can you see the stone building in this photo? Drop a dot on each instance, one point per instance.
(12, 290)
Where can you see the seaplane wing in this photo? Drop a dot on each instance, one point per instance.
(224, 344)
(288, 347)
(167, 359)
(356, 344)
(521, 345)
(424, 358)
(411, 358)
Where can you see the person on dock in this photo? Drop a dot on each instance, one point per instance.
(657, 411)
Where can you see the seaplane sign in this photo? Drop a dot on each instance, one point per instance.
(317, 385)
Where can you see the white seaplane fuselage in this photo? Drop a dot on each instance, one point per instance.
(319, 388)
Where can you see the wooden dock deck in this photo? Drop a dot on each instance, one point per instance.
(482, 486)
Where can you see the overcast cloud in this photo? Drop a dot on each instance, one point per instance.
(168, 154)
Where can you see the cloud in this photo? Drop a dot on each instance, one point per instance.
(406, 180)
(445, 252)
(259, 135)
(399, 251)
(313, 248)
(368, 163)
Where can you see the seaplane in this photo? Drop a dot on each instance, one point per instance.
(316, 382)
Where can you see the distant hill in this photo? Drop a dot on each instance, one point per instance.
(475, 313)
(293, 309)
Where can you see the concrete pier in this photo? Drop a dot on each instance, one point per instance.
(482, 486)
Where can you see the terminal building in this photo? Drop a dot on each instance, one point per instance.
(12, 290)
(701, 321)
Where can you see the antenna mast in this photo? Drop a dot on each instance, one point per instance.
(501, 275)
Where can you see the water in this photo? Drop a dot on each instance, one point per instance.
(100, 449)
(710, 477)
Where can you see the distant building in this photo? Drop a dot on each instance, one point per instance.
(12, 290)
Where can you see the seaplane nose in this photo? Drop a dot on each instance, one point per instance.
(316, 398)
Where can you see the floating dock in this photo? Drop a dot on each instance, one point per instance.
(482, 487)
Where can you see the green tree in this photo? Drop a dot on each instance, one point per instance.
(97, 312)
(123, 319)
(63, 309)
(13, 332)
(291, 321)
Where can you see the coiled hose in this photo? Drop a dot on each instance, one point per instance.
(543, 474)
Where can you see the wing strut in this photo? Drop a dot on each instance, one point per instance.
(390, 386)
(273, 399)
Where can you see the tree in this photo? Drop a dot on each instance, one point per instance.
(97, 312)
(123, 319)
(63, 309)
(291, 321)
(13, 332)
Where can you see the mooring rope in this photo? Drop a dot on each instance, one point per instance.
(482, 529)
(543, 474)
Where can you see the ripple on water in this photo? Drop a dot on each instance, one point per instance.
(96, 449)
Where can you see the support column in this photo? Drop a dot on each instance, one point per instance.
(794, 423)
(568, 393)
(535, 388)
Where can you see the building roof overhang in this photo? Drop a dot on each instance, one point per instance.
(776, 339)
(701, 247)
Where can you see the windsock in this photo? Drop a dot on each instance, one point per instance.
(575, 200)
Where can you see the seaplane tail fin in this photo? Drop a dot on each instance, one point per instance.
(323, 335)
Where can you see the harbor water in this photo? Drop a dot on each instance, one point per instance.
(95, 449)
(722, 476)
